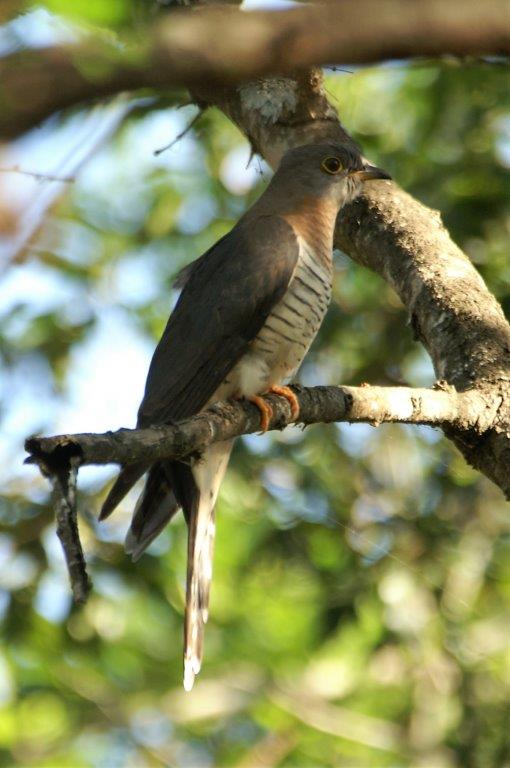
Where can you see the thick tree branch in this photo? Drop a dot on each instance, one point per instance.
(183, 50)
(224, 421)
(450, 309)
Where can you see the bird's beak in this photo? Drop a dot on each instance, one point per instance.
(370, 172)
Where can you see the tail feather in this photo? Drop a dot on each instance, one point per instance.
(125, 481)
(169, 486)
(208, 473)
(200, 552)
(154, 509)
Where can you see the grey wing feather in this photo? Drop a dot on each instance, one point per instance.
(184, 274)
(226, 300)
(126, 479)
(155, 508)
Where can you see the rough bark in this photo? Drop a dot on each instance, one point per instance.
(183, 51)
(224, 421)
(451, 311)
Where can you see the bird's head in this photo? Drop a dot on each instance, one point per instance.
(331, 171)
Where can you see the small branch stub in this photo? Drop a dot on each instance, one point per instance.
(64, 502)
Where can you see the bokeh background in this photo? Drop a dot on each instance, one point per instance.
(361, 600)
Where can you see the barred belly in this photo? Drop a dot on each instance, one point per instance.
(283, 341)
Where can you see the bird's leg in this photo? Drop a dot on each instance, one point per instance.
(266, 412)
(291, 398)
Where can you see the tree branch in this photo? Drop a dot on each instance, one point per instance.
(450, 310)
(60, 456)
(227, 420)
(182, 50)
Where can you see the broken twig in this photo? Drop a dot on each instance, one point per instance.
(64, 502)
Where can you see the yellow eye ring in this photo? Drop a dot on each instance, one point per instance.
(332, 165)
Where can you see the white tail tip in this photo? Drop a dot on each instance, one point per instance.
(189, 675)
(191, 669)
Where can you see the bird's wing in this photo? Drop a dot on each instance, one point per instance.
(228, 293)
(226, 299)
(184, 274)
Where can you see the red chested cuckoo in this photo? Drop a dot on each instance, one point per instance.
(249, 309)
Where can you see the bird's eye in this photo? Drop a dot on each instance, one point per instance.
(331, 165)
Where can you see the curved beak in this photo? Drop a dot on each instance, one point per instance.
(370, 172)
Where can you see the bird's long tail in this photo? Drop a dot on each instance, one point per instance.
(208, 472)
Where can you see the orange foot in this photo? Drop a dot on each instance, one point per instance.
(289, 395)
(266, 412)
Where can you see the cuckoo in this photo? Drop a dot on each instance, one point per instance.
(248, 311)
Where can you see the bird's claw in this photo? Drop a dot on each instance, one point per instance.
(266, 412)
(291, 398)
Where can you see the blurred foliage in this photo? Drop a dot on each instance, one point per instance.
(361, 601)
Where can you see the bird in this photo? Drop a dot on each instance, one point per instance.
(248, 311)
